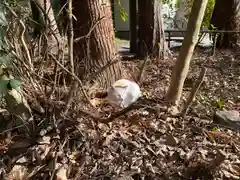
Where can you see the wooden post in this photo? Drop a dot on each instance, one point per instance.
(133, 25)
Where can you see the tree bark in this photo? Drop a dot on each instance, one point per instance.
(179, 19)
(181, 68)
(37, 24)
(226, 16)
(151, 38)
(43, 14)
(97, 50)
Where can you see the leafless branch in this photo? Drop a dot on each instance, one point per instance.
(22, 36)
(70, 56)
(75, 77)
(119, 113)
(142, 70)
(91, 30)
(194, 91)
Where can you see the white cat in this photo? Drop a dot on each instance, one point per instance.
(123, 93)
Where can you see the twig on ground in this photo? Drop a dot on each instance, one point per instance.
(112, 117)
(69, 97)
(35, 171)
(53, 172)
(194, 92)
(119, 113)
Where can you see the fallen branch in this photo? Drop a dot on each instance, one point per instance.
(111, 118)
(194, 92)
(115, 115)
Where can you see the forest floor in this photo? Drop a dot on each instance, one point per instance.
(141, 144)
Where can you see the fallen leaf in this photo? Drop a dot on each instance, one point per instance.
(44, 140)
(61, 174)
(18, 172)
(235, 169)
(171, 140)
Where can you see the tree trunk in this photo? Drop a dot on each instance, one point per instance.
(64, 17)
(179, 19)
(226, 16)
(98, 50)
(43, 14)
(37, 24)
(180, 70)
(151, 36)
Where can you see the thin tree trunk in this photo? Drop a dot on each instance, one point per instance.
(151, 33)
(179, 18)
(181, 68)
(97, 50)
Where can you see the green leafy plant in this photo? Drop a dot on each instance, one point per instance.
(208, 12)
(214, 129)
(118, 41)
(14, 84)
(219, 103)
(7, 81)
(177, 5)
(7, 84)
(166, 1)
(212, 27)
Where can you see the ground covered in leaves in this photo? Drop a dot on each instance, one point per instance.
(141, 144)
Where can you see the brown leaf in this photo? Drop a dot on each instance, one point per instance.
(171, 140)
(109, 138)
(235, 169)
(229, 175)
(134, 119)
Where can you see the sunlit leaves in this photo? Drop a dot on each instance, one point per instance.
(123, 13)
(7, 82)
(14, 83)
